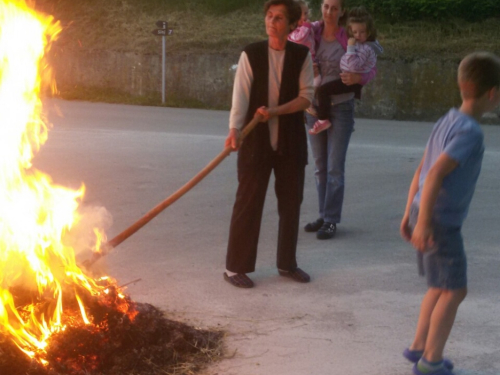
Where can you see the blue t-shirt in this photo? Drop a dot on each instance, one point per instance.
(461, 138)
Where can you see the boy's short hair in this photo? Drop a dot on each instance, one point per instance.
(478, 73)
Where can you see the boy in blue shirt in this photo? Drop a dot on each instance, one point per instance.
(438, 201)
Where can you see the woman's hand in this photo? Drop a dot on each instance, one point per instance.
(350, 78)
(232, 139)
(266, 113)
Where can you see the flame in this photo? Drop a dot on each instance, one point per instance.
(35, 214)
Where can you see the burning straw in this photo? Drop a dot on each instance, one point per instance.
(124, 339)
(54, 318)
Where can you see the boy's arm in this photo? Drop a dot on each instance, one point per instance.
(422, 237)
(405, 228)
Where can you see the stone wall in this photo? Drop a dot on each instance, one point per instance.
(417, 90)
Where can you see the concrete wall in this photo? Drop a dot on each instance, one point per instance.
(418, 90)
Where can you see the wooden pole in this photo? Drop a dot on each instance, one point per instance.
(107, 247)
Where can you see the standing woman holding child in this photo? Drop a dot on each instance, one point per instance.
(329, 147)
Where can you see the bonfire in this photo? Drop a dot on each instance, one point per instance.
(55, 317)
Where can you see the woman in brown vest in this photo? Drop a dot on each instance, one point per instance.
(275, 79)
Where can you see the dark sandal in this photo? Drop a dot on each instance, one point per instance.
(239, 280)
(297, 275)
(314, 226)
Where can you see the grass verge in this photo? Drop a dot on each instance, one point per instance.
(115, 96)
(223, 26)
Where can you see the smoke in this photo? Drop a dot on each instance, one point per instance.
(83, 237)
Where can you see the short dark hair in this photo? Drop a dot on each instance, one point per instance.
(293, 9)
(361, 15)
(478, 73)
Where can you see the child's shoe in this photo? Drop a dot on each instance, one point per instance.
(415, 355)
(442, 371)
(319, 126)
(423, 367)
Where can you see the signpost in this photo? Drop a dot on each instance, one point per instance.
(163, 31)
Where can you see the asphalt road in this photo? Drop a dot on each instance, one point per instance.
(360, 310)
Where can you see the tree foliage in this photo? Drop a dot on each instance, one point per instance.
(429, 10)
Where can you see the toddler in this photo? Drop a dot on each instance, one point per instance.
(304, 35)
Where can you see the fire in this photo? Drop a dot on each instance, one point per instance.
(35, 214)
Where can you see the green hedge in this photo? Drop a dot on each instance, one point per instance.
(470, 10)
(209, 6)
(388, 10)
(436, 10)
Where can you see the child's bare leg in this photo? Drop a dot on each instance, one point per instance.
(424, 319)
(441, 323)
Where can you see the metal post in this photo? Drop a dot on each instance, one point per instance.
(163, 70)
(164, 32)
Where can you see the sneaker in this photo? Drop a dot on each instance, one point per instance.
(414, 356)
(442, 371)
(319, 126)
(326, 231)
(297, 274)
(314, 226)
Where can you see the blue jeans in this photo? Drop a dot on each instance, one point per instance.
(329, 149)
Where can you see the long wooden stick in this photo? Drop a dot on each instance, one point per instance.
(107, 247)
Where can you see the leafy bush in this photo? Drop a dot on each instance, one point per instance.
(413, 10)
(226, 6)
(208, 6)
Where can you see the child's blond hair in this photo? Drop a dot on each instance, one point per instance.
(478, 73)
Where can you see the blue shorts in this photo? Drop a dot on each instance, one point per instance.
(445, 266)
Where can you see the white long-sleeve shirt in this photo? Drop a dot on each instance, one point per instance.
(243, 84)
